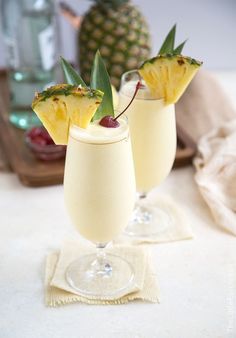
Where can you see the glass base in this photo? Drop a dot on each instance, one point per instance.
(24, 119)
(148, 222)
(105, 278)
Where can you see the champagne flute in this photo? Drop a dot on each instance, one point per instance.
(153, 137)
(99, 187)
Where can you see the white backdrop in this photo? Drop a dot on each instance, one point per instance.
(209, 25)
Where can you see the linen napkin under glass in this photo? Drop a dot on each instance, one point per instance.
(58, 291)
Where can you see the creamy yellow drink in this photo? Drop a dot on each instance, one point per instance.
(99, 181)
(153, 135)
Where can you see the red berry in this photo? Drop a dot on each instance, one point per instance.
(35, 131)
(39, 140)
(40, 136)
(50, 141)
(109, 122)
(46, 136)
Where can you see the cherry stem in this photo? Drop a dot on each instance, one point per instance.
(138, 86)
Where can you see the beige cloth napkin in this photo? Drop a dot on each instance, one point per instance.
(178, 229)
(203, 106)
(58, 292)
(216, 174)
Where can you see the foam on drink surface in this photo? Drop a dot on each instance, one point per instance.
(95, 133)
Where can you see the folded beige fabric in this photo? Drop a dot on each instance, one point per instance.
(58, 292)
(204, 106)
(216, 174)
(179, 228)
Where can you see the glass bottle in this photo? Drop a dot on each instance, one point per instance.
(29, 29)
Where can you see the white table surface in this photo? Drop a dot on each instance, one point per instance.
(197, 277)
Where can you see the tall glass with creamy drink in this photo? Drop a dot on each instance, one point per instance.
(153, 137)
(99, 187)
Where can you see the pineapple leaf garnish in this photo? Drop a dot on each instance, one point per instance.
(71, 76)
(179, 48)
(168, 44)
(100, 80)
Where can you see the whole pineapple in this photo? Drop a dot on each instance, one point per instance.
(119, 31)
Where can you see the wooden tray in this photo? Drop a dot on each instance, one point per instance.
(33, 172)
(186, 148)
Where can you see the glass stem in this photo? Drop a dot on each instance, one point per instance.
(100, 265)
(101, 255)
(141, 214)
(141, 195)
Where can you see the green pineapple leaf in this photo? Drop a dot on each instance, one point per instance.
(178, 50)
(100, 80)
(71, 76)
(168, 44)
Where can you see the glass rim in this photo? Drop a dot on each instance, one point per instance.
(135, 71)
(120, 137)
(130, 71)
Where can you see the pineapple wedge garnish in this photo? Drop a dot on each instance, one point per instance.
(167, 76)
(64, 104)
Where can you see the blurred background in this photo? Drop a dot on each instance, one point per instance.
(30, 49)
(209, 26)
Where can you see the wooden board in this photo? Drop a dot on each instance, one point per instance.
(186, 148)
(33, 172)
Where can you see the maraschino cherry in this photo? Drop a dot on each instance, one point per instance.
(109, 121)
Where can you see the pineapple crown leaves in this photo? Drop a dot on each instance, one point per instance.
(71, 76)
(168, 44)
(179, 48)
(99, 80)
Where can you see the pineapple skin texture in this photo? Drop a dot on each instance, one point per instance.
(120, 33)
(168, 76)
(60, 105)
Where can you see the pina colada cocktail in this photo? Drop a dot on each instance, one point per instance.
(153, 135)
(99, 182)
(153, 131)
(99, 185)
(153, 138)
